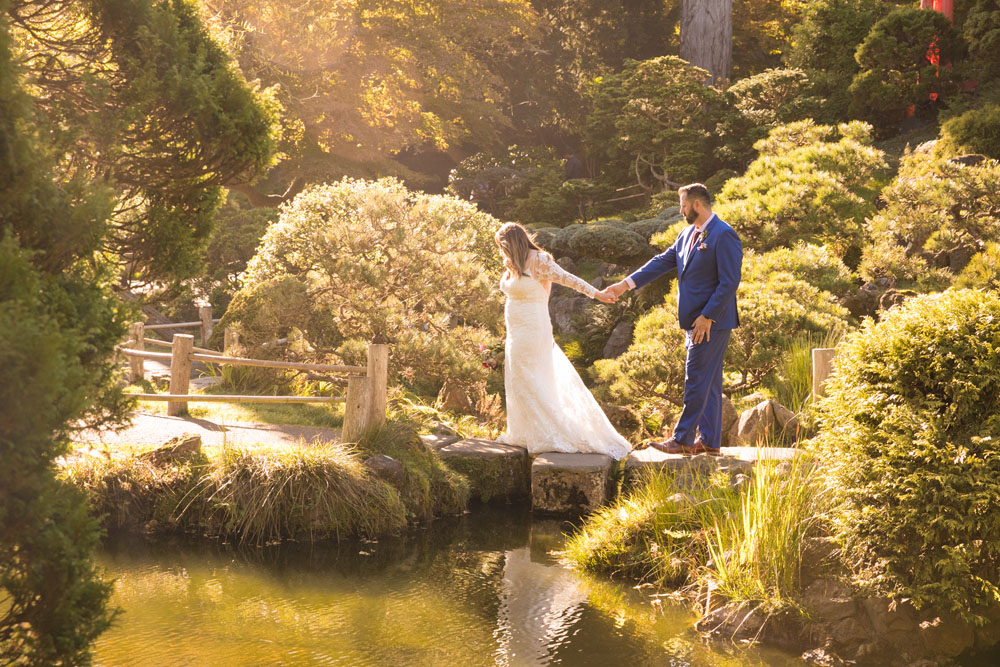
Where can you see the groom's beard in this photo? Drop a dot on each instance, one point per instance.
(691, 217)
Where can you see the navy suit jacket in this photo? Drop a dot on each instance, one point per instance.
(707, 276)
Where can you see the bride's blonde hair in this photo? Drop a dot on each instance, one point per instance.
(515, 244)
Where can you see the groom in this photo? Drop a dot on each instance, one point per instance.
(708, 257)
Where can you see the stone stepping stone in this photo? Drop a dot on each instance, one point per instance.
(436, 442)
(734, 460)
(570, 483)
(495, 471)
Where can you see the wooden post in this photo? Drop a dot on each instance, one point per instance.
(231, 340)
(822, 364)
(180, 372)
(356, 409)
(136, 369)
(378, 374)
(205, 315)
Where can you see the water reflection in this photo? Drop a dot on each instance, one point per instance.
(477, 590)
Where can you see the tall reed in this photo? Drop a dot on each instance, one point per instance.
(756, 551)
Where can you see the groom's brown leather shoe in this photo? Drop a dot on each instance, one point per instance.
(700, 448)
(670, 446)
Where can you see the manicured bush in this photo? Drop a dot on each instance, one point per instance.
(609, 242)
(813, 183)
(815, 264)
(668, 236)
(938, 214)
(823, 46)
(983, 270)
(975, 131)
(982, 29)
(775, 307)
(372, 261)
(895, 72)
(909, 446)
(648, 228)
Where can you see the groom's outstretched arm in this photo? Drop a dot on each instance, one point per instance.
(661, 264)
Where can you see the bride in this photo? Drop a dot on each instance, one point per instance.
(549, 409)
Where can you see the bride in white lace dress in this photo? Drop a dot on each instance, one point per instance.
(549, 409)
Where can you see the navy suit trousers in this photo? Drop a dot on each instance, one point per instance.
(703, 390)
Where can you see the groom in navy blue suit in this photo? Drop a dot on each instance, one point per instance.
(708, 257)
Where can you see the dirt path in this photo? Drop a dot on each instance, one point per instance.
(152, 429)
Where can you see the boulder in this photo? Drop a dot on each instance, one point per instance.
(567, 264)
(435, 441)
(565, 310)
(175, 450)
(386, 468)
(454, 398)
(865, 301)
(768, 420)
(893, 297)
(569, 483)
(730, 422)
(621, 338)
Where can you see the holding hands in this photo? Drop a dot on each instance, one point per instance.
(611, 293)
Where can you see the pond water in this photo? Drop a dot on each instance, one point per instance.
(481, 589)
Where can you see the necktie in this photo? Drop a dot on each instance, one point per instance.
(694, 237)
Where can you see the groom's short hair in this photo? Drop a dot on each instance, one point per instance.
(696, 191)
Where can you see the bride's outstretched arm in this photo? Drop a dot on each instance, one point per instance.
(543, 267)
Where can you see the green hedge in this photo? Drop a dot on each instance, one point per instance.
(909, 444)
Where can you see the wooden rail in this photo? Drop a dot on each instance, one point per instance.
(365, 402)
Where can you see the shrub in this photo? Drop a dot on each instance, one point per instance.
(668, 236)
(982, 29)
(938, 213)
(975, 131)
(776, 306)
(813, 183)
(824, 43)
(909, 445)
(758, 104)
(815, 264)
(609, 242)
(648, 228)
(373, 261)
(895, 72)
(983, 271)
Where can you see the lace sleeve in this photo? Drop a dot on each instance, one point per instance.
(543, 267)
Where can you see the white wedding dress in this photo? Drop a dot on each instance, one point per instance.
(549, 409)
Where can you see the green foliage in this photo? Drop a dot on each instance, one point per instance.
(668, 236)
(983, 270)
(372, 261)
(895, 72)
(814, 183)
(236, 232)
(936, 209)
(674, 530)
(824, 44)
(515, 184)
(776, 306)
(651, 227)
(982, 29)
(756, 550)
(610, 242)
(815, 264)
(758, 104)
(651, 370)
(653, 117)
(975, 131)
(909, 437)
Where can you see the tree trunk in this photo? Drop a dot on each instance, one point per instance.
(707, 36)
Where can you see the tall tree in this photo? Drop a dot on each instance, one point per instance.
(168, 106)
(363, 81)
(707, 36)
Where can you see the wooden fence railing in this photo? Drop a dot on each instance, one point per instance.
(365, 401)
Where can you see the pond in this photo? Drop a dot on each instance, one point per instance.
(482, 589)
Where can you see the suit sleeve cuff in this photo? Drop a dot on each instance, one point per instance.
(630, 282)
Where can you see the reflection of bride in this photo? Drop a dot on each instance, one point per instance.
(549, 409)
(539, 605)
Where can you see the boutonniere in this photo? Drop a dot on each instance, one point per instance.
(702, 238)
